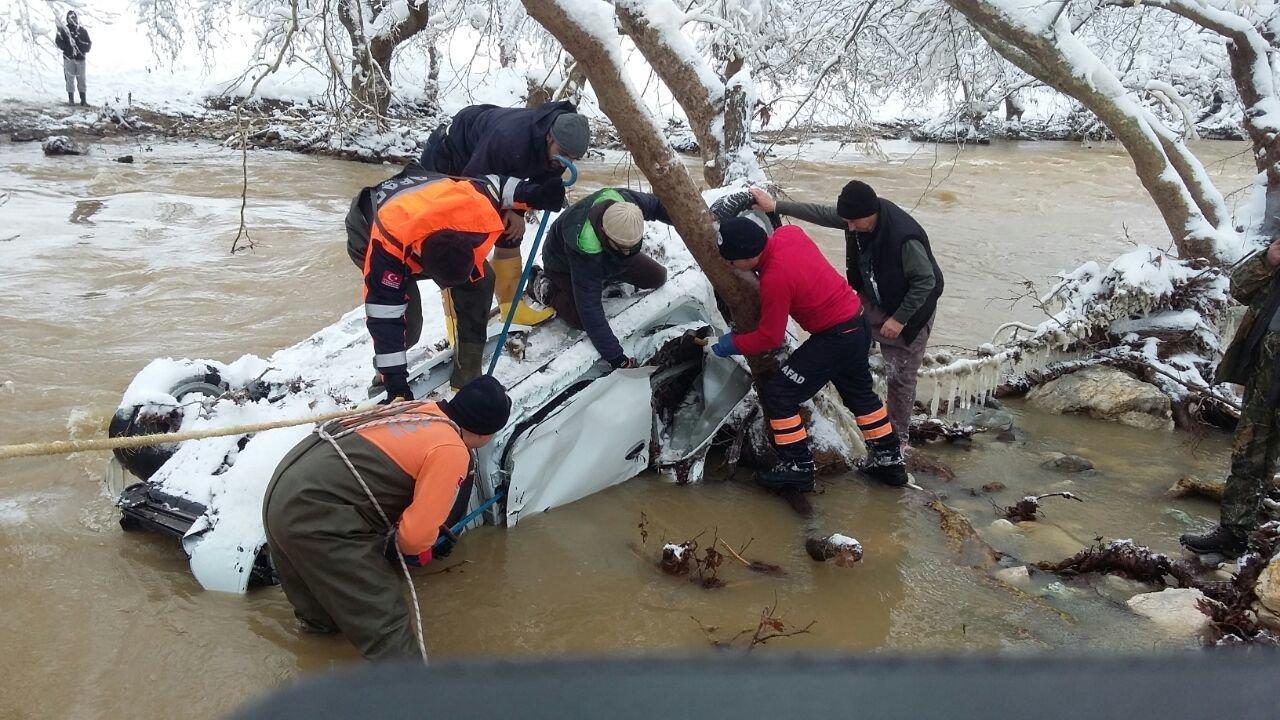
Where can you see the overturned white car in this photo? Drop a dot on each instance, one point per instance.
(209, 492)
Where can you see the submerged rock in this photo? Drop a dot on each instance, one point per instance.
(61, 145)
(1062, 462)
(1174, 609)
(1106, 394)
(1018, 577)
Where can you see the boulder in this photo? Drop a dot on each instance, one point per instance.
(1268, 587)
(1173, 609)
(1065, 463)
(61, 145)
(1106, 394)
(1018, 577)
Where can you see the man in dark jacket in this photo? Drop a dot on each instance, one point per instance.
(797, 281)
(890, 264)
(512, 142)
(73, 41)
(1252, 360)
(598, 241)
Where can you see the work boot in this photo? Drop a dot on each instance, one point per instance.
(885, 462)
(1220, 541)
(788, 475)
(506, 280)
(71, 98)
(82, 102)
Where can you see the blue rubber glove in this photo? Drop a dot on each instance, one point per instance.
(724, 346)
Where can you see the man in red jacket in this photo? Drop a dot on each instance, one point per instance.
(797, 281)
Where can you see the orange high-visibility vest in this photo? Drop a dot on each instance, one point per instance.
(408, 210)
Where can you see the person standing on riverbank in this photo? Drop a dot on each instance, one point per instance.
(797, 281)
(331, 532)
(513, 142)
(597, 241)
(1252, 360)
(890, 264)
(73, 40)
(425, 226)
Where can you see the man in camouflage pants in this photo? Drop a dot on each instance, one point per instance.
(1252, 360)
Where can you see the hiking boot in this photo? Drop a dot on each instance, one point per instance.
(885, 462)
(788, 475)
(1219, 541)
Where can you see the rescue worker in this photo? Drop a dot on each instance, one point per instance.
(334, 544)
(420, 225)
(597, 241)
(1252, 360)
(73, 40)
(889, 262)
(513, 142)
(797, 281)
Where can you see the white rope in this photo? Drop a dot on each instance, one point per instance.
(387, 415)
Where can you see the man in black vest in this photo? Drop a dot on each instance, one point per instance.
(889, 262)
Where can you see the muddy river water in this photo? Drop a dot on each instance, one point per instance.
(108, 265)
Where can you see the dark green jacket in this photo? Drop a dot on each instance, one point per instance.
(1256, 284)
(574, 247)
(906, 287)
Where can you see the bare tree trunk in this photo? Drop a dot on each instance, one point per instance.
(598, 58)
(1249, 54)
(689, 85)
(371, 56)
(737, 124)
(431, 93)
(1044, 55)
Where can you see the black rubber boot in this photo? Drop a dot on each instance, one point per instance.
(82, 102)
(788, 475)
(71, 99)
(1220, 541)
(885, 462)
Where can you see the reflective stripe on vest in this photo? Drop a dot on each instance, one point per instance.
(588, 241)
(408, 217)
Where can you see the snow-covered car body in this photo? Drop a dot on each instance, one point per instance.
(577, 427)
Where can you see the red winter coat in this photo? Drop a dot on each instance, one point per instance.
(796, 280)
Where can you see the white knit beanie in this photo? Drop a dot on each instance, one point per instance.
(624, 224)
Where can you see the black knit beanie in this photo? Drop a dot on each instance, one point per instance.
(481, 406)
(857, 200)
(741, 238)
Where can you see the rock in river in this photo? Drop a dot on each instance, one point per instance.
(1173, 609)
(1268, 587)
(61, 145)
(1065, 463)
(1106, 394)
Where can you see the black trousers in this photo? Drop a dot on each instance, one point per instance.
(837, 356)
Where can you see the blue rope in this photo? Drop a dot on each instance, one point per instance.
(528, 266)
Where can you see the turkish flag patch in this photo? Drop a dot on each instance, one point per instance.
(392, 279)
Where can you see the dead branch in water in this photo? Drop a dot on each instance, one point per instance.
(770, 626)
(754, 565)
(1028, 508)
(1118, 557)
(682, 560)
